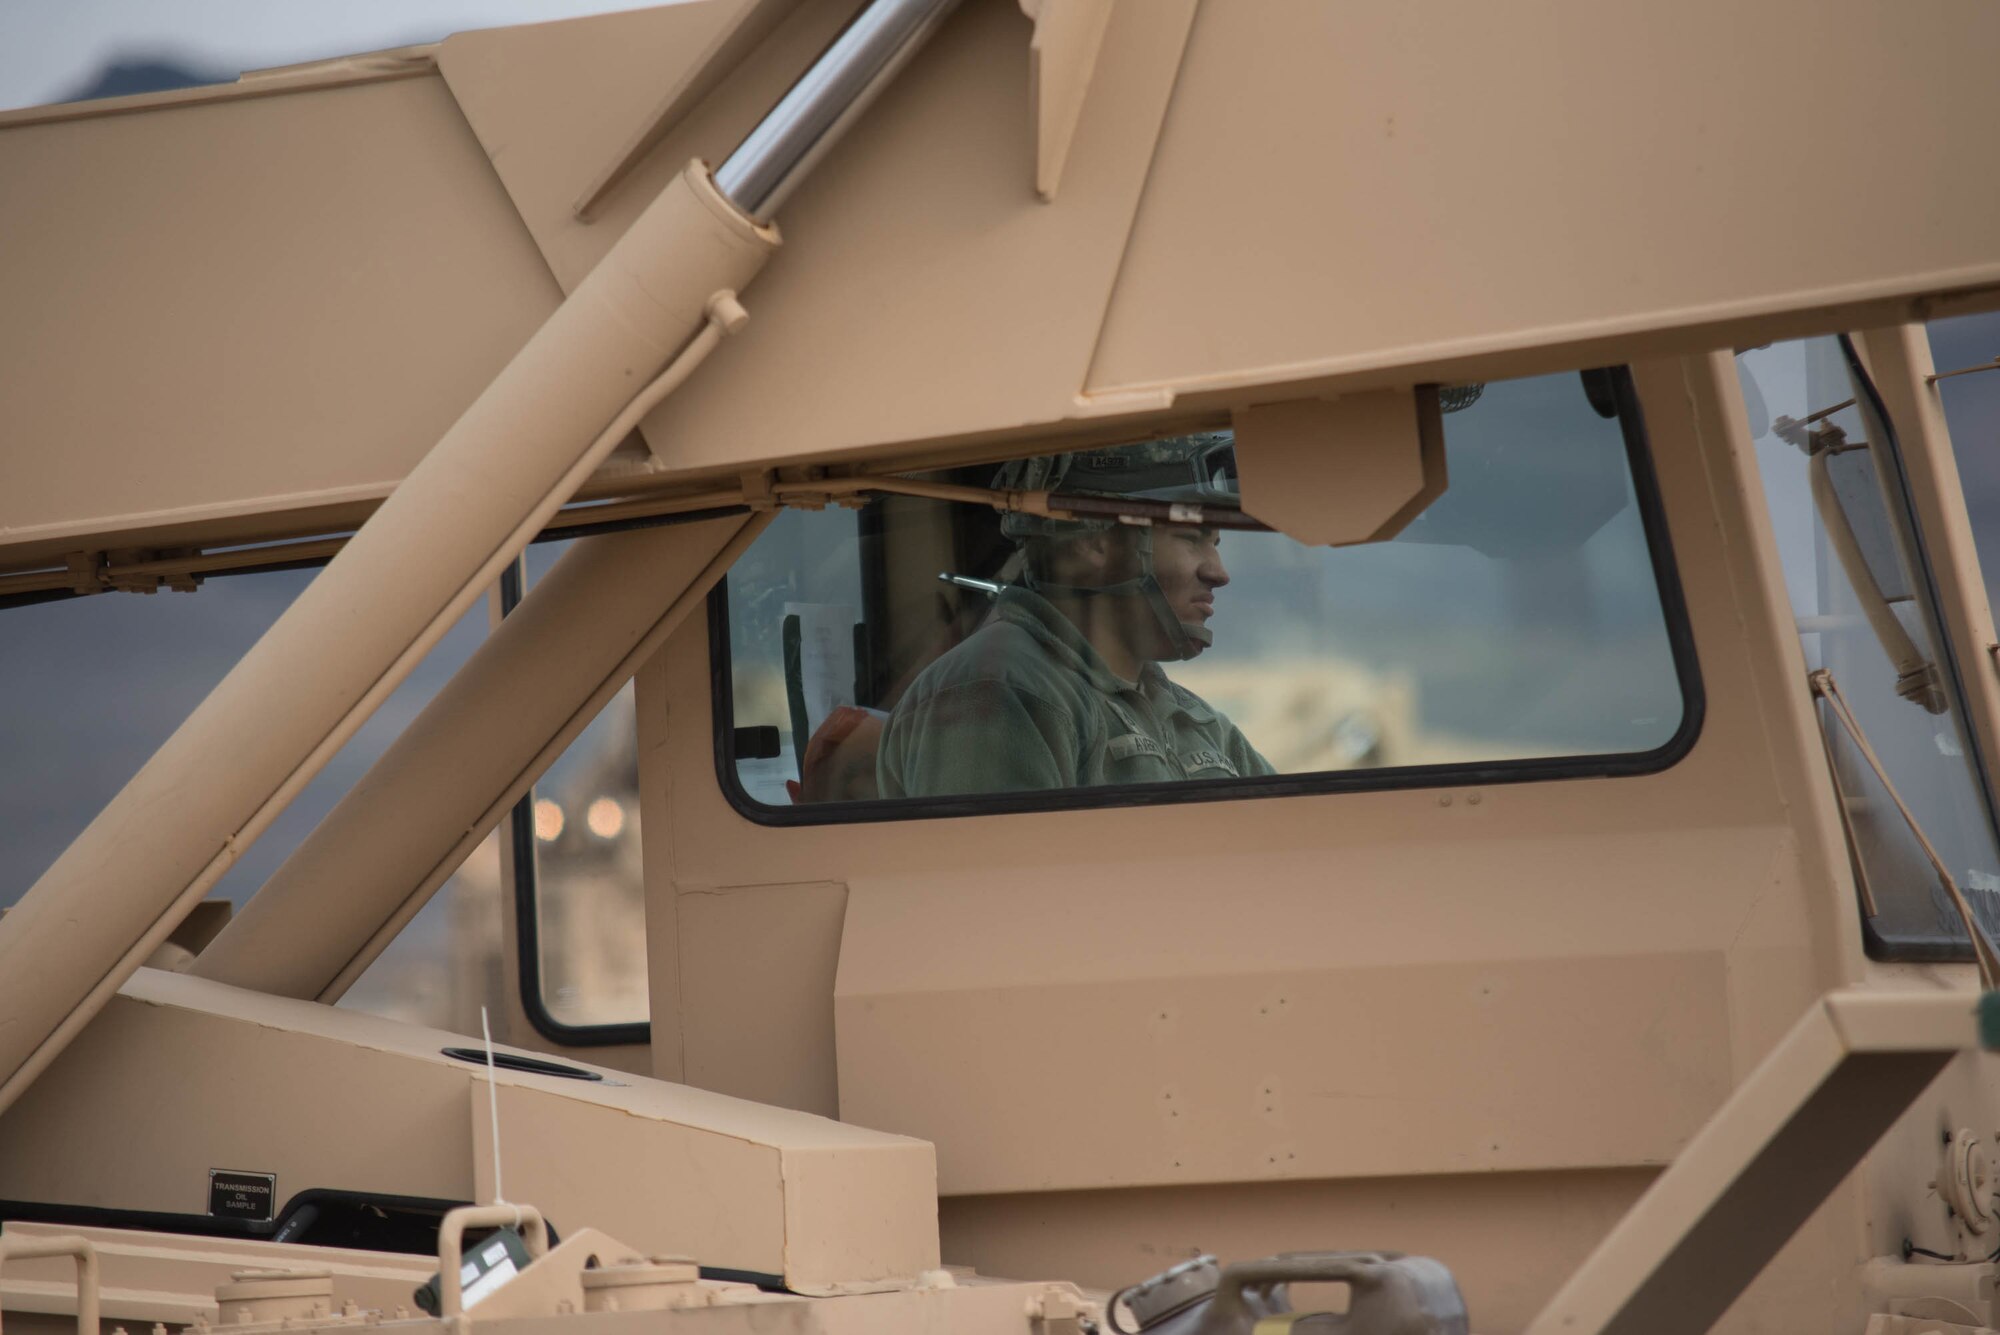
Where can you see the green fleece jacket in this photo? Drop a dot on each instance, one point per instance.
(1025, 703)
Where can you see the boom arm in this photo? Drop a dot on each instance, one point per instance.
(664, 295)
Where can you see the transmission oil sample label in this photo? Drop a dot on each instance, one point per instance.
(236, 1195)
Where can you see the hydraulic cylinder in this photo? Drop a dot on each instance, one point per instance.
(657, 297)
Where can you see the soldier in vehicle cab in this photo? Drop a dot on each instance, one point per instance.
(1062, 685)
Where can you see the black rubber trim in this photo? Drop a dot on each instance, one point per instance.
(211, 1226)
(514, 1061)
(763, 1279)
(215, 1226)
(1673, 608)
(644, 521)
(149, 1221)
(521, 831)
(527, 923)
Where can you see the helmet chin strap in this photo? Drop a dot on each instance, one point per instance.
(1186, 639)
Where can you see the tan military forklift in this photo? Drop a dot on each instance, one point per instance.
(1589, 935)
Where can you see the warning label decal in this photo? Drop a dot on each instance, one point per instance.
(237, 1195)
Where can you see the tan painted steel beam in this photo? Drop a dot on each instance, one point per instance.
(403, 829)
(1475, 199)
(665, 1168)
(1784, 1140)
(464, 512)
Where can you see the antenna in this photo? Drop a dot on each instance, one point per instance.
(492, 1104)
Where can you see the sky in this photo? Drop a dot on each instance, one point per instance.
(51, 48)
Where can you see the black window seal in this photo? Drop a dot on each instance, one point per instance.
(1680, 641)
(527, 922)
(521, 827)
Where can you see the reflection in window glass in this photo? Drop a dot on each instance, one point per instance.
(445, 964)
(589, 892)
(926, 649)
(89, 689)
(1867, 613)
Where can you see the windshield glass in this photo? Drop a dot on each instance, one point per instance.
(919, 649)
(1867, 614)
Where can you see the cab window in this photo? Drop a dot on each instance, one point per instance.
(1870, 626)
(919, 656)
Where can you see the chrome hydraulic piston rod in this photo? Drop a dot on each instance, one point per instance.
(658, 299)
(811, 118)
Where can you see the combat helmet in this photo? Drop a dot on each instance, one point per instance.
(1193, 470)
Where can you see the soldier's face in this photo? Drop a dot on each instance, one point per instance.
(1187, 562)
(1187, 565)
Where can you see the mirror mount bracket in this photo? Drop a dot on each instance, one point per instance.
(1337, 472)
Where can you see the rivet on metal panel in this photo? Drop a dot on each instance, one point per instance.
(1444, 799)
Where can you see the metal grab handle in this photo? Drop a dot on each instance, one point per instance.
(1390, 1292)
(451, 1244)
(1249, 1289)
(64, 1244)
